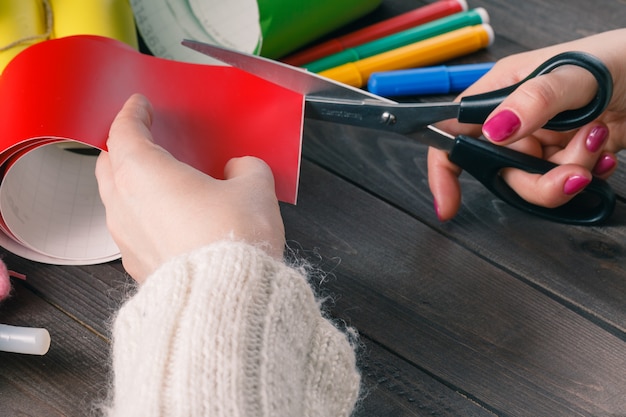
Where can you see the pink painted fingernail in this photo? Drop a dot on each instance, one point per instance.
(501, 126)
(575, 184)
(596, 138)
(604, 165)
(437, 210)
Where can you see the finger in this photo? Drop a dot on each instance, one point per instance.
(552, 189)
(256, 178)
(584, 148)
(248, 166)
(559, 185)
(444, 184)
(131, 149)
(605, 165)
(131, 126)
(104, 176)
(536, 101)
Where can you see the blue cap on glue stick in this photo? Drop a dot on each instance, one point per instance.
(440, 79)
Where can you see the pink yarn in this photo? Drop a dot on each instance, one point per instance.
(5, 281)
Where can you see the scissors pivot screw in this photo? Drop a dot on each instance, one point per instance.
(388, 118)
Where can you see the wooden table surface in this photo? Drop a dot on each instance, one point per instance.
(493, 313)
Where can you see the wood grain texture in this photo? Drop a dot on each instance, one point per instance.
(582, 266)
(484, 332)
(493, 313)
(70, 380)
(393, 387)
(89, 294)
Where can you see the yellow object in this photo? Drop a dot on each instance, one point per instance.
(22, 23)
(110, 18)
(427, 52)
(25, 22)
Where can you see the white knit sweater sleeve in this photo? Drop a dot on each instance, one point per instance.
(228, 331)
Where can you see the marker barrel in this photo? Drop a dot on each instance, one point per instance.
(378, 30)
(420, 54)
(400, 39)
(440, 79)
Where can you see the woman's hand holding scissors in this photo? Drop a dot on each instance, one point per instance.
(516, 123)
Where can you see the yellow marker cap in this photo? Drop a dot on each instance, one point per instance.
(431, 51)
(348, 73)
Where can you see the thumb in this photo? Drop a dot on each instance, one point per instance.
(131, 126)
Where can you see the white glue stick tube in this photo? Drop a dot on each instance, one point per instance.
(27, 340)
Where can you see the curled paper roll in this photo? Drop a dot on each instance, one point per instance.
(204, 115)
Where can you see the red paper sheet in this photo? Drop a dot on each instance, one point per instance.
(72, 88)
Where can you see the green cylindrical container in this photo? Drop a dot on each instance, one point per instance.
(287, 25)
(271, 28)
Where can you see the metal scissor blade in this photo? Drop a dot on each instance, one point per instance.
(331, 101)
(402, 118)
(287, 76)
(435, 138)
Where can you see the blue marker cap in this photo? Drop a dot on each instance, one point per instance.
(429, 80)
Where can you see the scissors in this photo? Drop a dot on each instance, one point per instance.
(331, 101)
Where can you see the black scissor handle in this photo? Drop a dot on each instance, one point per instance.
(484, 161)
(475, 109)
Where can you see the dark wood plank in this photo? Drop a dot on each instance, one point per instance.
(69, 380)
(393, 387)
(90, 293)
(536, 23)
(583, 267)
(494, 313)
(530, 24)
(484, 332)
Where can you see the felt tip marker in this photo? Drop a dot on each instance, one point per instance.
(27, 340)
(431, 51)
(397, 40)
(425, 81)
(378, 30)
